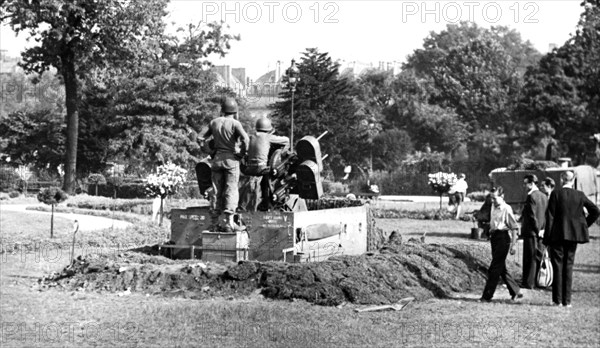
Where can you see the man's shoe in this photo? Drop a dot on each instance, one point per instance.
(517, 297)
(569, 305)
(554, 304)
(486, 300)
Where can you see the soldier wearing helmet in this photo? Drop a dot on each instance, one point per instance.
(225, 166)
(261, 146)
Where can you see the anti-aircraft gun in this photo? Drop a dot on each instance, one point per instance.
(285, 229)
(289, 173)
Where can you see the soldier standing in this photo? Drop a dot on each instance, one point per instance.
(225, 166)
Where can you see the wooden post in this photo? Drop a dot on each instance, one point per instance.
(161, 211)
(52, 222)
(75, 229)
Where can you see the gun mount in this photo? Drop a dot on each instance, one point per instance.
(295, 173)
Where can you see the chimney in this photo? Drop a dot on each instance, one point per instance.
(278, 72)
(228, 76)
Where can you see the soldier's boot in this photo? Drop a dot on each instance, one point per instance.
(214, 222)
(229, 224)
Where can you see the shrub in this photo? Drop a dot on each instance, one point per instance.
(8, 178)
(96, 179)
(125, 190)
(13, 194)
(140, 206)
(429, 214)
(332, 187)
(52, 196)
(477, 196)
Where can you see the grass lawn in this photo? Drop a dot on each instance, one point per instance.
(25, 225)
(55, 317)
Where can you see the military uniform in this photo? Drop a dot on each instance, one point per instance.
(257, 167)
(225, 164)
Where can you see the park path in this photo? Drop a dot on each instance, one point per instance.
(86, 222)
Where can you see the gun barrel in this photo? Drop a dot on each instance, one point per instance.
(322, 135)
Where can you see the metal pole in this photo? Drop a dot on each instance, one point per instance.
(322, 135)
(292, 132)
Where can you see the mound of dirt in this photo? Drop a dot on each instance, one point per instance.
(395, 271)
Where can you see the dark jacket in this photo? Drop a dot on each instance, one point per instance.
(534, 214)
(565, 219)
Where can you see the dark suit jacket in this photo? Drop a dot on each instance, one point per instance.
(534, 214)
(565, 220)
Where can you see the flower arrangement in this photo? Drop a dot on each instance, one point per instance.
(167, 180)
(441, 183)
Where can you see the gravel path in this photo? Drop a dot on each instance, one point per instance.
(86, 222)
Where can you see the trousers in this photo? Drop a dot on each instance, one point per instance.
(532, 256)
(500, 242)
(562, 257)
(225, 177)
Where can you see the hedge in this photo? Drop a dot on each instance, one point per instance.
(137, 190)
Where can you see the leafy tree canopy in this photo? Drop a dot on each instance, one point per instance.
(323, 102)
(77, 36)
(562, 93)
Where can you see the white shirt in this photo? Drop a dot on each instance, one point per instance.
(460, 186)
(502, 218)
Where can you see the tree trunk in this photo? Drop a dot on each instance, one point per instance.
(52, 222)
(441, 194)
(72, 104)
(161, 211)
(96, 189)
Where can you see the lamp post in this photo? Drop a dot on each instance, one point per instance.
(292, 73)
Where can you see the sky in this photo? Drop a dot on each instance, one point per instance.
(354, 30)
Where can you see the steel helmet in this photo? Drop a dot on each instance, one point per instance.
(263, 124)
(229, 106)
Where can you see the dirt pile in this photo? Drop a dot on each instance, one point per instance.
(395, 271)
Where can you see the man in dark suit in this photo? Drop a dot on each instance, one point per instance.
(566, 226)
(533, 220)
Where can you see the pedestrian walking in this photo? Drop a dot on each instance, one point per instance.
(503, 227)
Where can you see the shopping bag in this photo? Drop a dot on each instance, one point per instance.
(545, 274)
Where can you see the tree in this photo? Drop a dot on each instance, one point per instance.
(156, 112)
(35, 138)
(478, 73)
(323, 102)
(97, 179)
(390, 148)
(373, 95)
(52, 196)
(77, 36)
(562, 91)
(32, 93)
(430, 126)
(441, 183)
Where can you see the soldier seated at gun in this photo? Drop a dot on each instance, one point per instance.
(262, 145)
